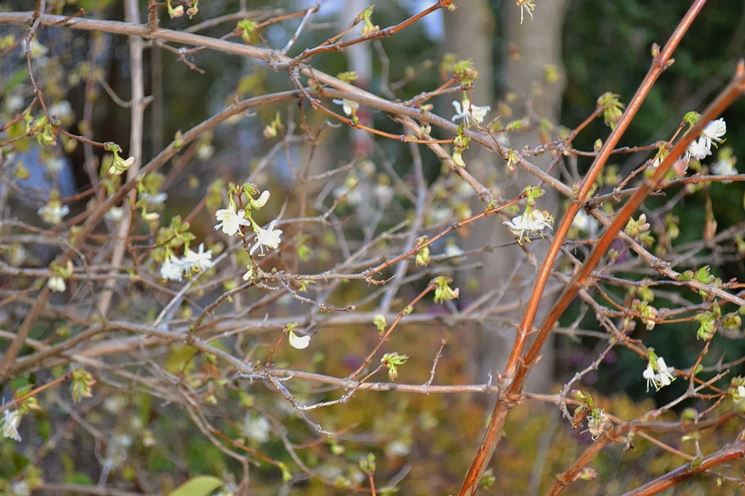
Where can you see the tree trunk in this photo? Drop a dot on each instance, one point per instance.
(528, 49)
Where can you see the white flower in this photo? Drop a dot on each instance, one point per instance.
(200, 260)
(724, 167)
(156, 199)
(204, 152)
(440, 215)
(53, 212)
(598, 424)
(268, 237)
(257, 428)
(115, 214)
(469, 113)
(532, 222)
(700, 149)
(14, 102)
(55, 165)
(37, 49)
(172, 269)
(649, 375)
(20, 488)
(585, 223)
(177, 11)
(712, 133)
(120, 165)
(10, 423)
(383, 193)
(298, 342)
(397, 448)
(658, 374)
(452, 250)
(230, 220)
(664, 373)
(249, 273)
(354, 196)
(57, 284)
(526, 6)
(261, 200)
(715, 130)
(61, 110)
(350, 107)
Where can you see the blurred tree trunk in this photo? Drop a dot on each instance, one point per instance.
(528, 49)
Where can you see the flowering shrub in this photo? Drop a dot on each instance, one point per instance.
(186, 319)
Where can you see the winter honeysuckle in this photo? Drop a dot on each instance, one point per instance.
(269, 238)
(350, 106)
(175, 268)
(260, 201)
(452, 249)
(712, 134)
(256, 428)
(10, 423)
(298, 342)
(177, 11)
(383, 194)
(529, 224)
(469, 113)
(172, 269)
(61, 110)
(699, 149)
(525, 6)
(198, 261)
(585, 223)
(230, 219)
(598, 423)
(115, 214)
(443, 291)
(250, 272)
(723, 168)
(725, 164)
(57, 284)
(153, 199)
(118, 164)
(55, 165)
(658, 373)
(53, 212)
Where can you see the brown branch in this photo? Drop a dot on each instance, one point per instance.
(728, 453)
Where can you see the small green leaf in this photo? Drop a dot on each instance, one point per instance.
(202, 485)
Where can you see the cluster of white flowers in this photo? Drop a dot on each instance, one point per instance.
(531, 223)
(231, 219)
(658, 373)
(11, 421)
(175, 268)
(712, 133)
(469, 113)
(53, 212)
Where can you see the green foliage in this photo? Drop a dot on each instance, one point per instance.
(202, 485)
